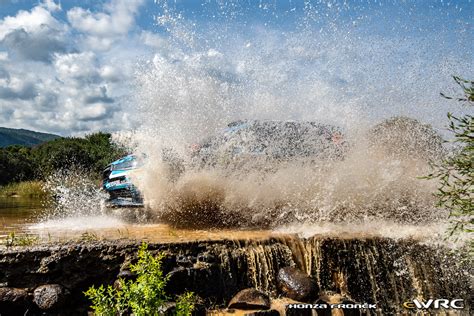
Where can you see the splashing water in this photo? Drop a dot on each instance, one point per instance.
(74, 193)
(77, 204)
(327, 62)
(321, 66)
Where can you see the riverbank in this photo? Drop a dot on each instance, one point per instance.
(25, 189)
(380, 271)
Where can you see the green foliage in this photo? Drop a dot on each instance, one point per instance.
(185, 304)
(143, 297)
(147, 293)
(103, 300)
(16, 164)
(92, 153)
(20, 240)
(89, 237)
(455, 173)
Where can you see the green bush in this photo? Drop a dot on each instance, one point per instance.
(143, 297)
(16, 164)
(185, 304)
(92, 153)
(456, 173)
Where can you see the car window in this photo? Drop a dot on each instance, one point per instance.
(125, 165)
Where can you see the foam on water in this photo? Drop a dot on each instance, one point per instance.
(77, 223)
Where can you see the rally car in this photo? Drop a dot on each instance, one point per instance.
(117, 182)
(267, 142)
(241, 144)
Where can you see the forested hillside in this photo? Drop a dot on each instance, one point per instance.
(12, 136)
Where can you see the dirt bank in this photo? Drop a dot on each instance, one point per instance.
(383, 271)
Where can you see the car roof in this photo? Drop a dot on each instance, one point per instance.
(123, 159)
(242, 124)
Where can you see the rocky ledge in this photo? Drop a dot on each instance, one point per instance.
(258, 277)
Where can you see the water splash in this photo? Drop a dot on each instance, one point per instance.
(76, 204)
(73, 193)
(324, 66)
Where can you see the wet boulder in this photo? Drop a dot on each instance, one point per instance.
(13, 295)
(13, 301)
(50, 296)
(250, 299)
(296, 285)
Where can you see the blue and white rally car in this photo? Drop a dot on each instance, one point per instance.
(117, 182)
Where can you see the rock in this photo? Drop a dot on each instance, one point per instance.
(14, 301)
(50, 296)
(329, 297)
(185, 261)
(126, 275)
(296, 285)
(13, 295)
(250, 299)
(206, 257)
(168, 308)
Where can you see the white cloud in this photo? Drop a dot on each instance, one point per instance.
(80, 67)
(103, 28)
(52, 80)
(30, 21)
(17, 88)
(33, 35)
(51, 6)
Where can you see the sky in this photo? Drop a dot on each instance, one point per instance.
(73, 67)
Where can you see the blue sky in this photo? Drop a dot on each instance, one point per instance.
(71, 67)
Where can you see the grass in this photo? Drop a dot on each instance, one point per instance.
(27, 189)
(20, 240)
(89, 237)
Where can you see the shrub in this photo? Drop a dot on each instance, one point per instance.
(91, 153)
(143, 297)
(16, 164)
(455, 173)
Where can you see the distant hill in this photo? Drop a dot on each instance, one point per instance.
(12, 136)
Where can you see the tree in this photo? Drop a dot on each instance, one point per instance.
(91, 153)
(16, 164)
(455, 173)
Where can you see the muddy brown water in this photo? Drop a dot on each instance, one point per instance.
(17, 213)
(28, 217)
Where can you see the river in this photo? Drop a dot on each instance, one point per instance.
(29, 217)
